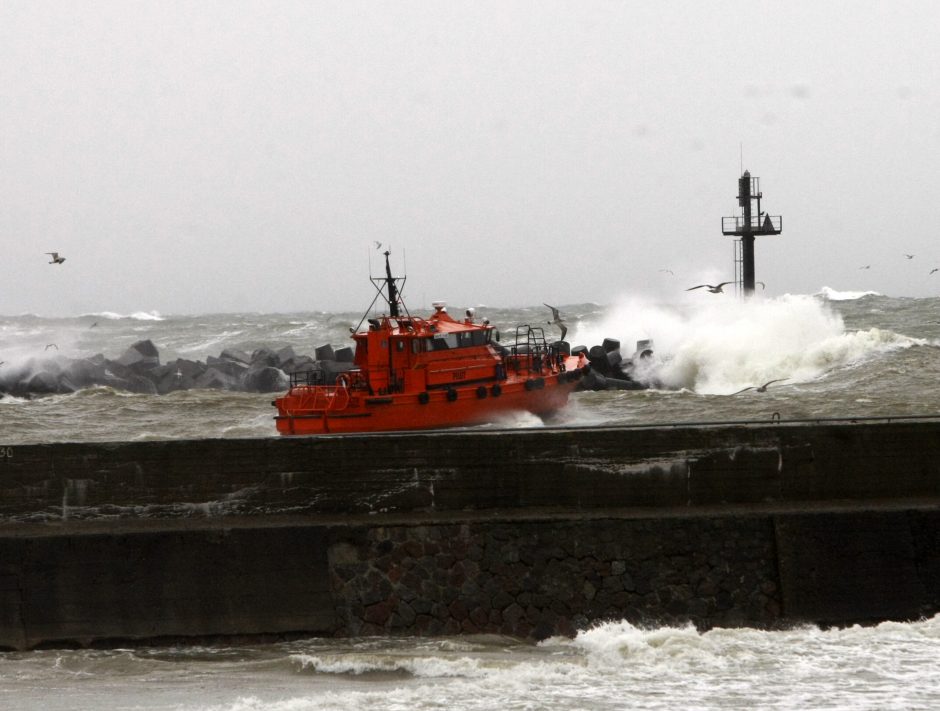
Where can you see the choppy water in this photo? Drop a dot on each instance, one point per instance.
(613, 666)
(842, 355)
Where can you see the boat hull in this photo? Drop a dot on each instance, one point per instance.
(453, 407)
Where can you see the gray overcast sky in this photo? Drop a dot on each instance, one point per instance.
(227, 156)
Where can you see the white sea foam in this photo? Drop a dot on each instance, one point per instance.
(610, 666)
(719, 345)
(137, 315)
(833, 295)
(617, 665)
(419, 666)
(225, 338)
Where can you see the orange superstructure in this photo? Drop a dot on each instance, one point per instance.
(416, 373)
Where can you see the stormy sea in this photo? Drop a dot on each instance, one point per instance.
(829, 355)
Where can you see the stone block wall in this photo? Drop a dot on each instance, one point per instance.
(538, 579)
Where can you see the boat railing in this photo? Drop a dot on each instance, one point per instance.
(307, 377)
(314, 395)
(325, 398)
(531, 352)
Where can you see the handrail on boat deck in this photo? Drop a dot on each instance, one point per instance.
(531, 351)
(322, 398)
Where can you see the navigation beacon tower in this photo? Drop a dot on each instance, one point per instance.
(747, 227)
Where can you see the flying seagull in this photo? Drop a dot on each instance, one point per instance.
(867, 266)
(909, 256)
(933, 270)
(556, 319)
(378, 245)
(56, 259)
(668, 271)
(713, 289)
(51, 345)
(762, 388)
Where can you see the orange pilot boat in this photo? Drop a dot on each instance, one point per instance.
(414, 373)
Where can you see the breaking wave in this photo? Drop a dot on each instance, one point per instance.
(136, 316)
(833, 295)
(722, 345)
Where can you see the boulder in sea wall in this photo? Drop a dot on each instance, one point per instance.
(142, 355)
(180, 374)
(216, 379)
(189, 368)
(140, 384)
(233, 368)
(299, 364)
(83, 372)
(333, 368)
(264, 357)
(65, 385)
(120, 377)
(265, 379)
(172, 381)
(325, 352)
(43, 383)
(112, 371)
(285, 354)
(236, 355)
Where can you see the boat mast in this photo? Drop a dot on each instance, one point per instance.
(392, 289)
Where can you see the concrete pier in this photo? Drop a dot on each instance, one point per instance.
(528, 533)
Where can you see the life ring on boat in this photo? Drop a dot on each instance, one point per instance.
(481, 392)
(342, 381)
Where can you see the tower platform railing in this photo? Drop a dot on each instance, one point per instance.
(758, 225)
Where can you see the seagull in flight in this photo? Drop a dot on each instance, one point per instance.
(933, 270)
(56, 259)
(762, 388)
(51, 345)
(867, 266)
(909, 256)
(668, 271)
(378, 245)
(713, 289)
(556, 320)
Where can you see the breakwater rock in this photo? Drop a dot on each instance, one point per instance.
(140, 370)
(264, 370)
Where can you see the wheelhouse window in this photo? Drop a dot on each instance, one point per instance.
(443, 341)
